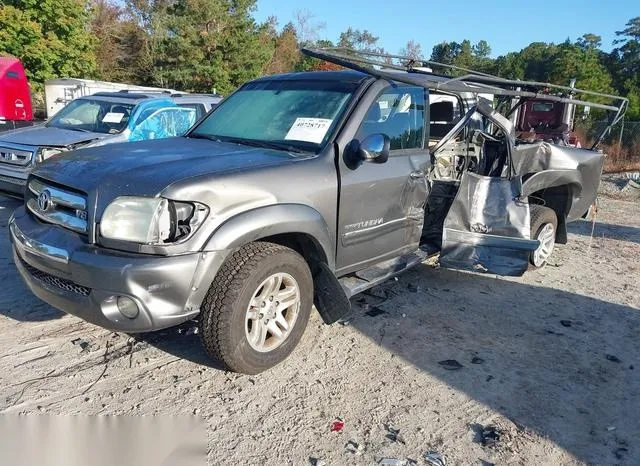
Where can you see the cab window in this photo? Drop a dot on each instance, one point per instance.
(399, 112)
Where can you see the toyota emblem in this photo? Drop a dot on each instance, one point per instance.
(44, 200)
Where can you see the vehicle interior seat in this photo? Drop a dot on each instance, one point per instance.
(372, 122)
(441, 119)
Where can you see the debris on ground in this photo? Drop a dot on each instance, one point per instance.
(490, 436)
(392, 462)
(612, 358)
(477, 360)
(192, 331)
(565, 323)
(354, 447)
(434, 458)
(317, 461)
(337, 425)
(451, 365)
(394, 435)
(83, 344)
(413, 288)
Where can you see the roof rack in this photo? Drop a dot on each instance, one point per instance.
(144, 91)
(386, 66)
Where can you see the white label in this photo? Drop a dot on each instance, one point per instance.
(309, 129)
(383, 104)
(113, 117)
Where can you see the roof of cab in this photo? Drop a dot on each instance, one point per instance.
(343, 76)
(131, 95)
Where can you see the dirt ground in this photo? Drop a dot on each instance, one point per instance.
(551, 359)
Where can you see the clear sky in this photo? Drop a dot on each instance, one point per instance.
(508, 25)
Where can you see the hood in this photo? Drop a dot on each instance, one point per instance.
(49, 136)
(146, 168)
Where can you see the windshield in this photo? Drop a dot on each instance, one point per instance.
(283, 114)
(98, 116)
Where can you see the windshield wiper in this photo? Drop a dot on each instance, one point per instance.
(265, 144)
(249, 142)
(204, 136)
(73, 129)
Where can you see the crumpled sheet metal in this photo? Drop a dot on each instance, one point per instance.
(488, 227)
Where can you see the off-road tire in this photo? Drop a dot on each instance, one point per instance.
(540, 216)
(223, 312)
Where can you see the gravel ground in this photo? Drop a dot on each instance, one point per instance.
(552, 360)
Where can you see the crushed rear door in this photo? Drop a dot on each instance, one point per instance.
(487, 228)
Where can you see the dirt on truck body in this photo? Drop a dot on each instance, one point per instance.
(297, 190)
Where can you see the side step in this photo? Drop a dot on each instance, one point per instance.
(371, 276)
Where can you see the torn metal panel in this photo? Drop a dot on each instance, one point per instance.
(487, 228)
(553, 165)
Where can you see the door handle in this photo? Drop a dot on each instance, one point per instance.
(417, 174)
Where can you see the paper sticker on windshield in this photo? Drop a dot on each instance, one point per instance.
(112, 117)
(309, 129)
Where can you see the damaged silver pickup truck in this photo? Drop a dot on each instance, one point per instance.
(297, 190)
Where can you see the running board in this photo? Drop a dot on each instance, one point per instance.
(372, 276)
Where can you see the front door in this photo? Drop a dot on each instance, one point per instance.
(382, 205)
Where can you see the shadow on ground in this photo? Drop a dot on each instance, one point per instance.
(181, 341)
(606, 230)
(562, 364)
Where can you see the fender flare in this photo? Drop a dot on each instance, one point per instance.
(273, 220)
(551, 179)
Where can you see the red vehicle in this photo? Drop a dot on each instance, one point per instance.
(539, 119)
(15, 97)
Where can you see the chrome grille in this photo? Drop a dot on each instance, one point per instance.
(58, 206)
(15, 156)
(60, 283)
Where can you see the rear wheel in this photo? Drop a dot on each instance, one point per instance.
(544, 225)
(258, 307)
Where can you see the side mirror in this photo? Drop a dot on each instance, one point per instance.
(374, 149)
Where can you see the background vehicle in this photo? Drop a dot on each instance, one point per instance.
(103, 118)
(60, 92)
(15, 96)
(539, 119)
(296, 190)
(201, 103)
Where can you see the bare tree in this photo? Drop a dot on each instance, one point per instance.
(412, 50)
(307, 29)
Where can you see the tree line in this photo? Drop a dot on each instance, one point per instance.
(202, 45)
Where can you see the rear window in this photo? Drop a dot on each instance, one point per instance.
(542, 107)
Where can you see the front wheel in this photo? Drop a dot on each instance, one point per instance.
(257, 308)
(544, 225)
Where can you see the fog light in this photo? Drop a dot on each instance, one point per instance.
(128, 307)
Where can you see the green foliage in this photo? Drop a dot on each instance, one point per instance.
(50, 37)
(464, 55)
(359, 40)
(201, 45)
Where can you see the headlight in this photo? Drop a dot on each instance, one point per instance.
(45, 152)
(151, 220)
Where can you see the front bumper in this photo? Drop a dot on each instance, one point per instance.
(85, 280)
(13, 183)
